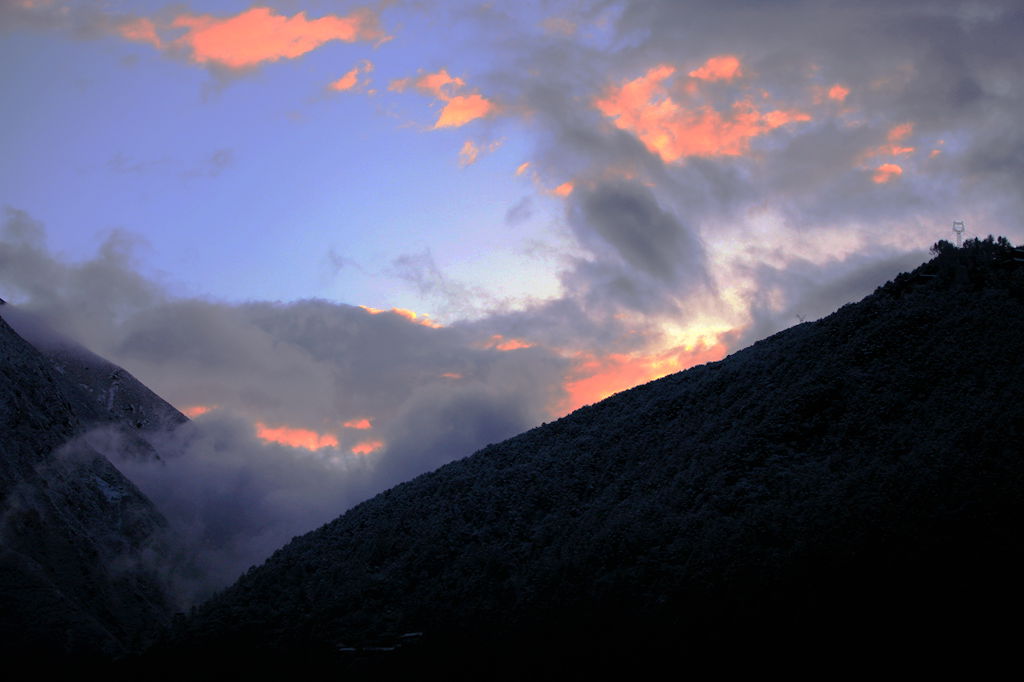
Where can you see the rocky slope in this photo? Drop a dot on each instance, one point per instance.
(843, 491)
(81, 549)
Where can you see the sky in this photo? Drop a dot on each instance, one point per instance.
(367, 239)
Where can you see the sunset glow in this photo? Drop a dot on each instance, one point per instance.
(358, 424)
(258, 35)
(721, 68)
(461, 109)
(351, 78)
(597, 377)
(196, 410)
(675, 130)
(499, 342)
(886, 172)
(563, 190)
(296, 438)
(838, 93)
(367, 447)
(407, 314)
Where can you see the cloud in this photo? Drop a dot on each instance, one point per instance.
(630, 223)
(296, 438)
(459, 109)
(468, 153)
(886, 172)
(675, 130)
(231, 499)
(838, 93)
(350, 79)
(563, 190)
(320, 405)
(258, 35)
(519, 212)
(603, 376)
(721, 68)
(234, 43)
(140, 30)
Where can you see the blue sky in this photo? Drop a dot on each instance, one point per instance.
(241, 186)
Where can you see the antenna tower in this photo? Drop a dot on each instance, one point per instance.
(958, 227)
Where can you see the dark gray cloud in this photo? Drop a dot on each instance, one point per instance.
(432, 395)
(519, 212)
(644, 237)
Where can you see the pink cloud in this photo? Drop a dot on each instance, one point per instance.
(351, 78)
(721, 68)
(140, 30)
(675, 130)
(459, 109)
(838, 93)
(252, 37)
(886, 172)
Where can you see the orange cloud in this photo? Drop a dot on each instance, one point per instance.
(900, 131)
(258, 35)
(351, 78)
(358, 424)
(499, 342)
(296, 438)
(933, 153)
(407, 314)
(441, 85)
(458, 109)
(367, 446)
(468, 153)
(195, 410)
(346, 82)
(673, 131)
(892, 147)
(886, 172)
(140, 30)
(896, 134)
(522, 167)
(563, 190)
(596, 378)
(838, 93)
(462, 109)
(722, 68)
(451, 375)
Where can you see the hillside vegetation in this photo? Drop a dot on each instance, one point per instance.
(846, 489)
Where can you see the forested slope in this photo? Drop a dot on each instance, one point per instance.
(848, 487)
(81, 548)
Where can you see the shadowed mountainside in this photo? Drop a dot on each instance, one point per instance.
(843, 490)
(80, 546)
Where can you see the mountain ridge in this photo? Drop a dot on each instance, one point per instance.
(80, 546)
(828, 484)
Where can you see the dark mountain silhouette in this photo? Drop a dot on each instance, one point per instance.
(80, 547)
(841, 492)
